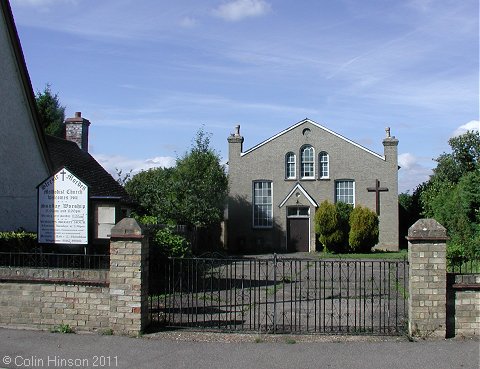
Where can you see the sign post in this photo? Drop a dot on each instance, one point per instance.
(63, 210)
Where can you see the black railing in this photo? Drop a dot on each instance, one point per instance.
(48, 260)
(281, 295)
(463, 265)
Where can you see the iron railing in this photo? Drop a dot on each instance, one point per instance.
(462, 265)
(50, 260)
(281, 295)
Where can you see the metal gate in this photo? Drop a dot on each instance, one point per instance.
(281, 295)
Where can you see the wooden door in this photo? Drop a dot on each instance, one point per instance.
(298, 237)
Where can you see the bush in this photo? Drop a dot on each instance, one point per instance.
(344, 210)
(327, 226)
(363, 229)
(172, 244)
(18, 241)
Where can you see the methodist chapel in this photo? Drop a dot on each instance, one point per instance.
(276, 186)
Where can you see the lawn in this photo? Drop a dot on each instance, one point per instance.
(384, 255)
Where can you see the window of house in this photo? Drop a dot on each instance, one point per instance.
(105, 220)
(262, 204)
(290, 166)
(345, 191)
(324, 165)
(307, 155)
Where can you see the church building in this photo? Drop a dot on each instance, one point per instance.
(276, 186)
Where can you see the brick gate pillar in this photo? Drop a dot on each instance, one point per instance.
(427, 279)
(128, 278)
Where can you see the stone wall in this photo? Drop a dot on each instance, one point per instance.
(92, 300)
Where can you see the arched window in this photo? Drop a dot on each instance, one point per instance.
(290, 166)
(307, 159)
(324, 165)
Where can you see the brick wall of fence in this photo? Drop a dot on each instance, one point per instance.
(51, 297)
(441, 304)
(80, 298)
(463, 305)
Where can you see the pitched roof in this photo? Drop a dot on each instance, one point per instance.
(306, 120)
(67, 154)
(299, 187)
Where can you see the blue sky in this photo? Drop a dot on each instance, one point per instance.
(148, 74)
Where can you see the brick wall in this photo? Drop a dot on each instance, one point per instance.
(90, 300)
(441, 304)
(463, 305)
(45, 298)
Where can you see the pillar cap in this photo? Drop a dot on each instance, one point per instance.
(127, 228)
(427, 229)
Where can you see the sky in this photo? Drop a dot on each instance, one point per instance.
(149, 74)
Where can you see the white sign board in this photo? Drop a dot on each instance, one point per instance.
(63, 209)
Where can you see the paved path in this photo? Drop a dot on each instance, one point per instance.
(34, 349)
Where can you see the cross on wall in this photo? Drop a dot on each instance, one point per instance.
(377, 189)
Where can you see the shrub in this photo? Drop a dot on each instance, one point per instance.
(18, 241)
(172, 244)
(344, 210)
(363, 229)
(327, 226)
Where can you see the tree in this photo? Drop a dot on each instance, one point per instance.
(200, 185)
(51, 113)
(192, 193)
(153, 191)
(363, 229)
(452, 195)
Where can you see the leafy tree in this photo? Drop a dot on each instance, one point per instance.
(327, 226)
(452, 195)
(51, 112)
(200, 185)
(363, 229)
(153, 191)
(193, 193)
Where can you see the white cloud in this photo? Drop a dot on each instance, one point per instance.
(473, 125)
(240, 9)
(407, 160)
(412, 172)
(112, 163)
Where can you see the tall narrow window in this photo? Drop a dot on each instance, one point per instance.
(324, 170)
(290, 166)
(345, 191)
(307, 157)
(262, 204)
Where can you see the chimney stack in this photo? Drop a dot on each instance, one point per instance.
(76, 130)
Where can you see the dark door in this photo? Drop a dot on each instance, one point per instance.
(298, 236)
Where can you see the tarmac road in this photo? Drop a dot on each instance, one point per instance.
(37, 349)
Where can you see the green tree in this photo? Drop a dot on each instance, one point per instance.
(193, 193)
(452, 195)
(363, 229)
(51, 112)
(153, 191)
(200, 184)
